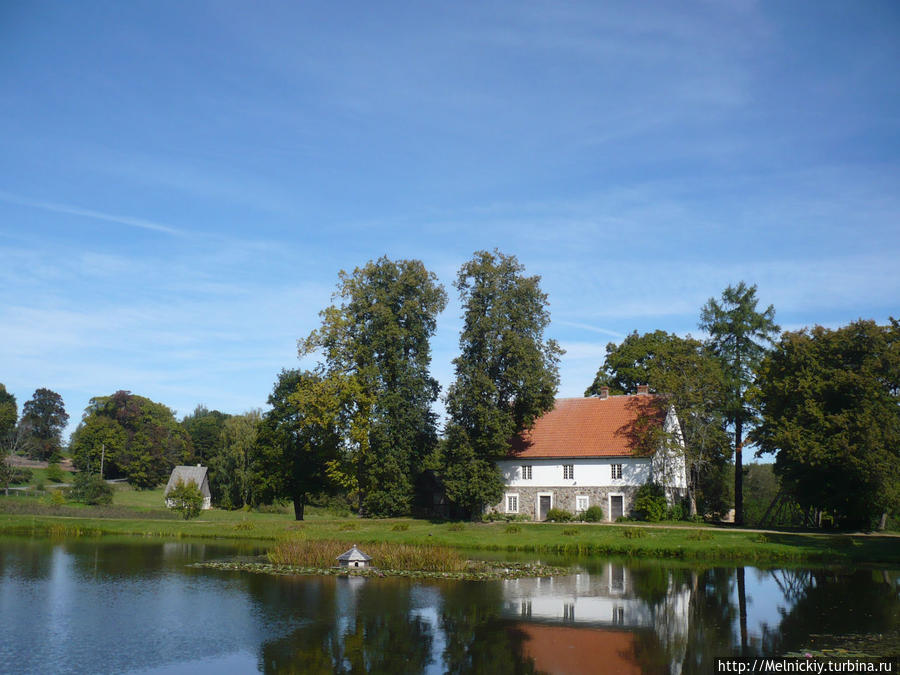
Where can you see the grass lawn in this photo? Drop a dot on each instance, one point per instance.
(140, 512)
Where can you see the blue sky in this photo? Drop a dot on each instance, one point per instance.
(180, 182)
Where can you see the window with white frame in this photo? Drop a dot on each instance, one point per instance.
(512, 503)
(616, 471)
(568, 471)
(526, 472)
(581, 503)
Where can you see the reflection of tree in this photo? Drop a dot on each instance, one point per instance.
(478, 640)
(369, 629)
(831, 603)
(712, 614)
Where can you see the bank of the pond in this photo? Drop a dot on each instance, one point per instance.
(475, 570)
(707, 544)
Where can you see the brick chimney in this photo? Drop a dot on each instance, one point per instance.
(604, 392)
(643, 389)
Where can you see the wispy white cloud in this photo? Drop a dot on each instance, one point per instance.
(128, 221)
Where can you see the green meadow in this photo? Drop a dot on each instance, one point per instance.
(140, 513)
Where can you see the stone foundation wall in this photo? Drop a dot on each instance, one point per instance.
(564, 498)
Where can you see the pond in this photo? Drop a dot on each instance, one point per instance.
(135, 606)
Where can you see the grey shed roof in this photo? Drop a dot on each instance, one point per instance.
(354, 554)
(187, 474)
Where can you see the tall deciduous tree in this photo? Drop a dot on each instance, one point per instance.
(231, 478)
(378, 334)
(9, 414)
(830, 402)
(205, 426)
(43, 418)
(302, 440)
(685, 375)
(506, 374)
(739, 336)
(136, 437)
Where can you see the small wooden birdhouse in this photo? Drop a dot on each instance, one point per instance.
(354, 558)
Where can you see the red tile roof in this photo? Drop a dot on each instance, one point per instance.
(589, 427)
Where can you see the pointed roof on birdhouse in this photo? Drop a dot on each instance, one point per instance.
(354, 555)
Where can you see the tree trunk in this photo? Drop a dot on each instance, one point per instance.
(738, 473)
(299, 503)
(692, 493)
(882, 523)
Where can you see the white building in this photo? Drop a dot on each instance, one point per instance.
(592, 451)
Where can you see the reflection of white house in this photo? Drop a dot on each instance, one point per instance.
(596, 613)
(585, 453)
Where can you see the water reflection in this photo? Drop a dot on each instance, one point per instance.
(126, 606)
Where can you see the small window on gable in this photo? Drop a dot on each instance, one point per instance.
(526, 472)
(512, 503)
(616, 471)
(568, 471)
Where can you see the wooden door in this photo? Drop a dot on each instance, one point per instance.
(616, 507)
(543, 506)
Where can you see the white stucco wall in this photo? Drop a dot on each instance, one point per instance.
(588, 472)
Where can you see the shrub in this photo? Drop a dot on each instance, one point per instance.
(244, 525)
(89, 488)
(186, 498)
(39, 485)
(558, 516)
(400, 527)
(594, 514)
(56, 498)
(512, 529)
(55, 473)
(675, 512)
(570, 531)
(633, 533)
(650, 503)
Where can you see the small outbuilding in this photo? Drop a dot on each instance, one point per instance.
(199, 475)
(354, 558)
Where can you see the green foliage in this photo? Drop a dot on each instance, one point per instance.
(19, 475)
(376, 341)
(57, 498)
(594, 514)
(89, 488)
(633, 533)
(558, 516)
(232, 476)
(684, 374)
(8, 412)
(186, 499)
(513, 529)
(139, 439)
(650, 503)
(739, 336)
(300, 440)
(570, 532)
(506, 374)
(43, 419)
(205, 427)
(55, 473)
(830, 401)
